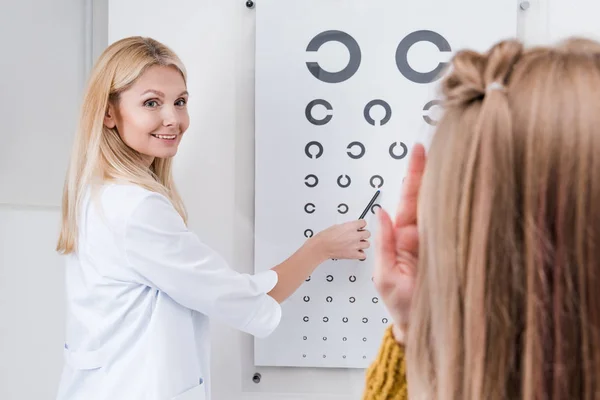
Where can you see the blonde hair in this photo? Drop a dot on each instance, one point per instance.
(99, 154)
(507, 299)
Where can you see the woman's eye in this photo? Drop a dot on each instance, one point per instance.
(180, 102)
(151, 103)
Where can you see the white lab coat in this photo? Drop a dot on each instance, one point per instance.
(140, 290)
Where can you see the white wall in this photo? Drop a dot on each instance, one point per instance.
(214, 168)
(47, 48)
(43, 68)
(31, 303)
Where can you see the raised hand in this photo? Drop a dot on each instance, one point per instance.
(397, 247)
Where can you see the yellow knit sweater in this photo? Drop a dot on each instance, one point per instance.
(386, 377)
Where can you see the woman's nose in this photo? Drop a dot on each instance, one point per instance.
(170, 116)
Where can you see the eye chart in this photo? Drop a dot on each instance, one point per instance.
(344, 89)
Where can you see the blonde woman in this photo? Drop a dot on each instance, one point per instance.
(493, 280)
(140, 285)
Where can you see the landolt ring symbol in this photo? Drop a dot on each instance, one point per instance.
(378, 102)
(427, 118)
(345, 184)
(309, 208)
(360, 153)
(376, 178)
(313, 120)
(308, 152)
(398, 156)
(315, 180)
(353, 63)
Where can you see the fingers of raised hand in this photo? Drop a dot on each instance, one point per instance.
(406, 213)
(386, 240)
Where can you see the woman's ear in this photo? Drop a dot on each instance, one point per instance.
(109, 118)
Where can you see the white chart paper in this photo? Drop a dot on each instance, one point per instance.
(343, 91)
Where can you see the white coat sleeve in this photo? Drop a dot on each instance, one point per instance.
(165, 255)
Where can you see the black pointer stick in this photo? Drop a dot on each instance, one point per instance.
(370, 204)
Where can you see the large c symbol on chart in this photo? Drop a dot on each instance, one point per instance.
(402, 56)
(353, 64)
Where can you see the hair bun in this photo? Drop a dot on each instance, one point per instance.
(472, 71)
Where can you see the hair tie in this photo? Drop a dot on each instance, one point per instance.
(495, 86)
